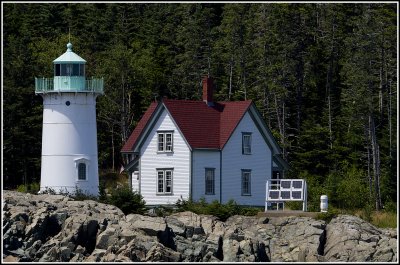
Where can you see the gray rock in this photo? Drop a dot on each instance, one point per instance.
(96, 255)
(55, 228)
(107, 238)
(150, 225)
(160, 253)
(65, 254)
(349, 238)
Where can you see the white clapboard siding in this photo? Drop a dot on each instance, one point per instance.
(233, 161)
(178, 160)
(201, 160)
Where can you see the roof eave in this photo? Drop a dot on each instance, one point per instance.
(282, 162)
(266, 131)
(149, 125)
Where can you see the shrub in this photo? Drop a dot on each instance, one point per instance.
(22, 188)
(215, 208)
(102, 193)
(34, 187)
(49, 190)
(111, 179)
(162, 211)
(30, 188)
(327, 216)
(314, 191)
(127, 200)
(80, 195)
(352, 191)
(390, 207)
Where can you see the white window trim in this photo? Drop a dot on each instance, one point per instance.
(246, 171)
(213, 181)
(164, 144)
(87, 163)
(164, 181)
(246, 150)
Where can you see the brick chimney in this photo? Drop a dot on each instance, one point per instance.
(208, 90)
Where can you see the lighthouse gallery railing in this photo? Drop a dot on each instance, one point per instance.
(44, 85)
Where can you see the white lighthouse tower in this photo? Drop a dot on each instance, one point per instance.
(69, 139)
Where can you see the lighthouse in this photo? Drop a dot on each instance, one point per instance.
(69, 137)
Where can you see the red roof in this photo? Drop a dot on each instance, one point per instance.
(202, 126)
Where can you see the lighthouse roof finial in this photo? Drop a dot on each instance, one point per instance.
(69, 56)
(69, 47)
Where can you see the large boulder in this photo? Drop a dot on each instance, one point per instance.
(349, 238)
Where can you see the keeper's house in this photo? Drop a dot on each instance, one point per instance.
(202, 149)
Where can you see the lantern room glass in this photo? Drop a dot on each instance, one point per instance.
(69, 70)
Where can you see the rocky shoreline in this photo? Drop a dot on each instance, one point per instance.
(55, 228)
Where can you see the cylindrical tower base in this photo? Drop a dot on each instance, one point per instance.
(69, 144)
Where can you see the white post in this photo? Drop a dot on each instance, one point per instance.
(324, 203)
(305, 196)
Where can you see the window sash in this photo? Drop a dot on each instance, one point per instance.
(168, 142)
(161, 142)
(160, 181)
(164, 181)
(81, 171)
(210, 181)
(246, 143)
(246, 182)
(165, 142)
(168, 181)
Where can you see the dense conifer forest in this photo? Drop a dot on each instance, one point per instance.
(323, 76)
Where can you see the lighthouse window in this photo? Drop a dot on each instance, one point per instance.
(82, 171)
(57, 70)
(81, 69)
(76, 69)
(69, 70)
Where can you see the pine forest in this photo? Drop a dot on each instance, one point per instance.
(322, 75)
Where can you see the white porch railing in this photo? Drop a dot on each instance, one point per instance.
(282, 190)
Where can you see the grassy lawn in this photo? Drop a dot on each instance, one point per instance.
(384, 219)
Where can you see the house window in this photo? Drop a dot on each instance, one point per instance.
(210, 181)
(246, 182)
(246, 143)
(165, 141)
(82, 171)
(164, 181)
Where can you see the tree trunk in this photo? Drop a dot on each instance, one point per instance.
(375, 163)
(230, 79)
(113, 147)
(369, 177)
(390, 121)
(328, 83)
